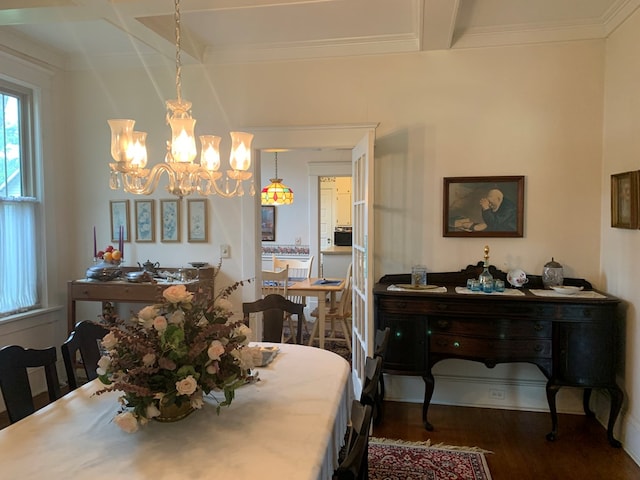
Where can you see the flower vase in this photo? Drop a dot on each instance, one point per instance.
(173, 412)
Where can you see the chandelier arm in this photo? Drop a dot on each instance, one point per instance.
(145, 184)
(212, 188)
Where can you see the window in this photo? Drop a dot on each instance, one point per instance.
(18, 205)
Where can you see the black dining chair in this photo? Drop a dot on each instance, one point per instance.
(370, 390)
(83, 341)
(380, 350)
(273, 308)
(355, 463)
(14, 380)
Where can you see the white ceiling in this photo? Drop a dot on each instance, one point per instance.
(83, 33)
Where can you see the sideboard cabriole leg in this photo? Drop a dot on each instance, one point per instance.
(429, 385)
(552, 390)
(616, 404)
(586, 397)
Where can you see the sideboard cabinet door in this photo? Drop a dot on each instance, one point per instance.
(584, 353)
(406, 352)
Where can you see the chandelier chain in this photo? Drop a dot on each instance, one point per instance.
(178, 59)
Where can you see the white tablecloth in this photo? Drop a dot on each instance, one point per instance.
(289, 425)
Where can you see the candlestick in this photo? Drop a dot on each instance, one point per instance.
(95, 245)
(122, 242)
(120, 238)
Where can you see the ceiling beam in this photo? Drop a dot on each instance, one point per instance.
(438, 23)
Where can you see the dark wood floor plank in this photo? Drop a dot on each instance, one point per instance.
(517, 440)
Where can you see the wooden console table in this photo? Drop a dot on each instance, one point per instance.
(571, 338)
(128, 292)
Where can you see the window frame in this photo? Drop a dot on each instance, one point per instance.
(28, 181)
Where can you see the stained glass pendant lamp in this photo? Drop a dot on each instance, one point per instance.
(277, 193)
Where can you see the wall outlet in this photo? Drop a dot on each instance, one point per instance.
(225, 251)
(496, 394)
(298, 241)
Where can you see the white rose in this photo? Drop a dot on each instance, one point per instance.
(146, 316)
(160, 323)
(223, 304)
(215, 350)
(152, 411)
(245, 358)
(242, 329)
(127, 422)
(109, 341)
(177, 317)
(177, 294)
(196, 400)
(149, 359)
(186, 386)
(103, 365)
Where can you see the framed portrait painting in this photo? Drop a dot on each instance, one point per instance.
(197, 220)
(624, 200)
(119, 212)
(170, 221)
(268, 223)
(483, 206)
(145, 221)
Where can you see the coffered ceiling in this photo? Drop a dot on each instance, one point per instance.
(81, 33)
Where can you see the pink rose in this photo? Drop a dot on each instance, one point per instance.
(186, 386)
(127, 422)
(215, 350)
(160, 323)
(177, 294)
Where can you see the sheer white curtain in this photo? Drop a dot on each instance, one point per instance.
(18, 255)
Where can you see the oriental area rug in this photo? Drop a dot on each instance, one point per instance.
(401, 460)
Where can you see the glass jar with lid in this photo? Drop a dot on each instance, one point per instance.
(552, 274)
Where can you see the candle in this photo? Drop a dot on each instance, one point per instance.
(95, 246)
(122, 241)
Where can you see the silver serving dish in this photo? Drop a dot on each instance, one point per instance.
(104, 272)
(139, 277)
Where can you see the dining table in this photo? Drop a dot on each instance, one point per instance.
(289, 423)
(322, 288)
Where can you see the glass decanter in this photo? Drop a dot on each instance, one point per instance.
(485, 278)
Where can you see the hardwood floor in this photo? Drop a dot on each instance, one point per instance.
(517, 440)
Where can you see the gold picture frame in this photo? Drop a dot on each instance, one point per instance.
(198, 229)
(624, 200)
(483, 206)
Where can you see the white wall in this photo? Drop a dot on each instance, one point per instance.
(620, 252)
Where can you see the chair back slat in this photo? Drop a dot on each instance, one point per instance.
(273, 308)
(85, 342)
(14, 378)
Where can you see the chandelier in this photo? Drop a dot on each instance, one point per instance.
(128, 149)
(276, 193)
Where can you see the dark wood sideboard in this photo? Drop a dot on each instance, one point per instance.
(571, 339)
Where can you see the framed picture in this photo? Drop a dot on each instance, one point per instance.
(197, 219)
(119, 212)
(268, 223)
(483, 206)
(170, 220)
(145, 221)
(624, 200)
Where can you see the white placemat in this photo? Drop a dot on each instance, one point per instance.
(395, 288)
(553, 293)
(507, 291)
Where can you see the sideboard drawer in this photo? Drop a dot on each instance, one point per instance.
(499, 328)
(490, 348)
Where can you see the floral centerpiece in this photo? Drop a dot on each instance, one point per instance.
(171, 354)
